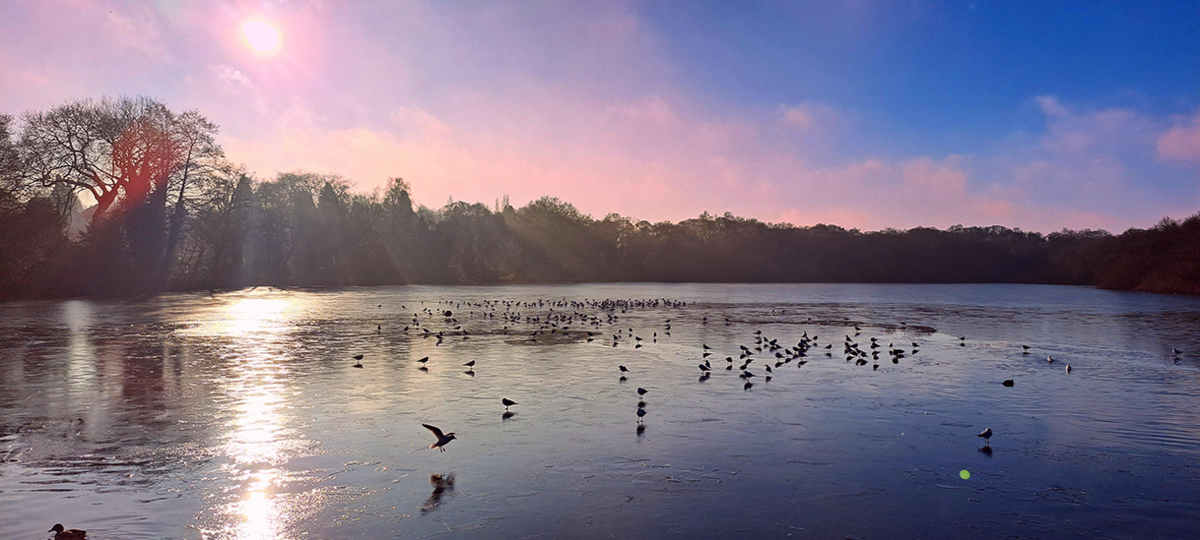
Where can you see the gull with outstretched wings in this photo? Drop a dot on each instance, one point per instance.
(442, 438)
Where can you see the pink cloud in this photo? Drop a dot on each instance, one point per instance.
(1182, 142)
(809, 116)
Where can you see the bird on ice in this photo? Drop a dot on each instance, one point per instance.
(507, 403)
(987, 436)
(442, 438)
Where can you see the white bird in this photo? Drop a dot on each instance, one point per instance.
(1050, 359)
(442, 438)
(1068, 368)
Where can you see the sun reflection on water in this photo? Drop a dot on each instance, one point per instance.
(258, 443)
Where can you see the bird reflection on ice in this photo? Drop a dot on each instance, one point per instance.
(442, 483)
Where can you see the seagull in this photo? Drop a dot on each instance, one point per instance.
(67, 534)
(623, 369)
(423, 360)
(642, 391)
(358, 357)
(1176, 351)
(1068, 369)
(470, 364)
(442, 438)
(641, 412)
(1007, 382)
(703, 367)
(507, 403)
(1049, 359)
(987, 436)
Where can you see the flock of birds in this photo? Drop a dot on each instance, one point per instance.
(554, 322)
(568, 321)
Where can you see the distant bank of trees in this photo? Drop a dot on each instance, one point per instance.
(167, 211)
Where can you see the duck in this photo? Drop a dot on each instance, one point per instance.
(67, 534)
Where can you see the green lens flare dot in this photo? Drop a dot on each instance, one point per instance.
(964, 474)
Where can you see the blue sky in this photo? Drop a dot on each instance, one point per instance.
(947, 77)
(862, 113)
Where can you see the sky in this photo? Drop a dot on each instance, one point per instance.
(861, 113)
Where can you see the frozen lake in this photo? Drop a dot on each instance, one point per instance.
(241, 414)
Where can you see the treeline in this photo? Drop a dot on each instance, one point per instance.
(167, 211)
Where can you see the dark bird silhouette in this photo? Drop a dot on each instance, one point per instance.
(423, 360)
(507, 403)
(1007, 382)
(442, 438)
(67, 534)
(642, 391)
(987, 436)
(358, 357)
(623, 369)
(641, 413)
(470, 364)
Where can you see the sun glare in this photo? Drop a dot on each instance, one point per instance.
(261, 36)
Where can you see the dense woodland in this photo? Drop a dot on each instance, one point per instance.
(166, 211)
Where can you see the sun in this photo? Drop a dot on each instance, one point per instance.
(261, 36)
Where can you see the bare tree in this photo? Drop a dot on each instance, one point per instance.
(125, 150)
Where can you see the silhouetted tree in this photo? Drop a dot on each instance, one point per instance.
(170, 212)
